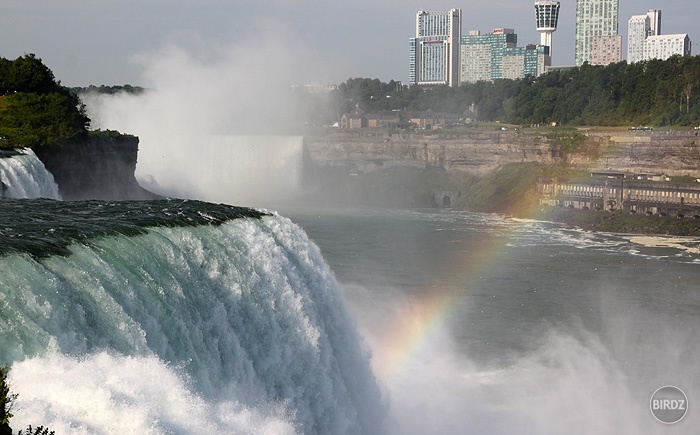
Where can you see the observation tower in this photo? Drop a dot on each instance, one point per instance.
(547, 15)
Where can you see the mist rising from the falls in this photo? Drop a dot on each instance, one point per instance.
(200, 104)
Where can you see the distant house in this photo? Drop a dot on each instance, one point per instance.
(468, 117)
(426, 120)
(471, 115)
(353, 120)
(384, 118)
(429, 120)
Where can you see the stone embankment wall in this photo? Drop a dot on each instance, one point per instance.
(482, 152)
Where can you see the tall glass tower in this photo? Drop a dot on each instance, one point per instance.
(547, 15)
(596, 21)
(435, 50)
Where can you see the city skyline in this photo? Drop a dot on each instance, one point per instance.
(99, 42)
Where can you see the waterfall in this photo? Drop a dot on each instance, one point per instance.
(240, 170)
(24, 176)
(231, 328)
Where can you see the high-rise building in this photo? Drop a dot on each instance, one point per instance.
(434, 53)
(531, 60)
(654, 21)
(594, 19)
(637, 31)
(639, 28)
(547, 16)
(645, 41)
(493, 56)
(482, 54)
(606, 50)
(664, 46)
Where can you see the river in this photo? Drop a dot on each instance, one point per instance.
(484, 324)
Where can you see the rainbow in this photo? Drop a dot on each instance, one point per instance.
(414, 333)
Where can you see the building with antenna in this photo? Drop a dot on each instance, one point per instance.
(547, 16)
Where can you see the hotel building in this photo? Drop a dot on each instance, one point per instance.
(482, 54)
(664, 46)
(434, 53)
(596, 19)
(493, 56)
(639, 28)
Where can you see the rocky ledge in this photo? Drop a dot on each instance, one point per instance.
(101, 166)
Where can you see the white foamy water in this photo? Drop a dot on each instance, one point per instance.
(107, 393)
(25, 176)
(238, 328)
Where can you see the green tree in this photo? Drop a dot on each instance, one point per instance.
(29, 74)
(35, 110)
(661, 92)
(33, 120)
(41, 430)
(6, 401)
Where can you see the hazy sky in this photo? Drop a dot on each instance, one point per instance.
(112, 41)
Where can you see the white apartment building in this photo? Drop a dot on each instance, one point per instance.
(637, 32)
(654, 21)
(639, 28)
(664, 46)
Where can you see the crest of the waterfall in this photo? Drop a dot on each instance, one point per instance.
(238, 327)
(232, 169)
(24, 176)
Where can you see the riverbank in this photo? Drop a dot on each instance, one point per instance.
(510, 191)
(622, 222)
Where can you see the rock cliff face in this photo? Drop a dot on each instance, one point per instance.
(100, 167)
(480, 153)
(671, 152)
(103, 166)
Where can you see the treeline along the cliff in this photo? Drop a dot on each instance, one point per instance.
(35, 110)
(654, 92)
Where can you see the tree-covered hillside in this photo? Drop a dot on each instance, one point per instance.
(655, 92)
(35, 110)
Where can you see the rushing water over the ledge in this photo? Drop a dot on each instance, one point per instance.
(23, 175)
(175, 317)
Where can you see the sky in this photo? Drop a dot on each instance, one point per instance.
(113, 42)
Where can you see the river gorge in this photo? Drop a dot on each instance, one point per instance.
(674, 152)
